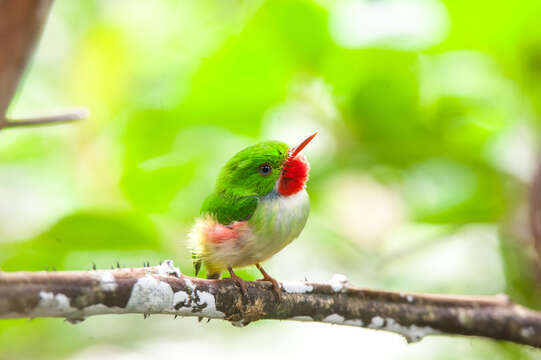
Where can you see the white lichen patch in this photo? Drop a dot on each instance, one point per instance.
(412, 333)
(209, 299)
(334, 319)
(354, 322)
(527, 332)
(180, 297)
(302, 318)
(206, 298)
(189, 284)
(376, 322)
(409, 298)
(100, 309)
(150, 295)
(196, 302)
(339, 282)
(53, 305)
(107, 281)
(167, 268)
(202, 303)
(296, 287)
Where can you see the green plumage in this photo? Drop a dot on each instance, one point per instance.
(238, 188)
(227, 209)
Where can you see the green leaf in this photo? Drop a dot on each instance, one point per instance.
(88, 231)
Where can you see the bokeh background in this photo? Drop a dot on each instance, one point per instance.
(428, 111)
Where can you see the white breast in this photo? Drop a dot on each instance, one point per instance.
(283, 216)
(277, 221)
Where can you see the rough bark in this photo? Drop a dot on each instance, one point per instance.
(75, 295)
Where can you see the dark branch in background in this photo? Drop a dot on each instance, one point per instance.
(535, 209)
(75, 295)
(21, 24)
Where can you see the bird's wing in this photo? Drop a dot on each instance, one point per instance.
(227, 209)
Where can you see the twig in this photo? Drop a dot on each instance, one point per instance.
(75, 295)
(73, 115)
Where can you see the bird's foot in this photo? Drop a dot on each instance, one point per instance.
(240, 282)
(267, 277)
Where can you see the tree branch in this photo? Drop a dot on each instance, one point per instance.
(77, 114)
(75, 295)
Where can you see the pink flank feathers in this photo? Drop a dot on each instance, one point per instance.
(220, 233)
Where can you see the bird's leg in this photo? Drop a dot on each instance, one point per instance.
(240, 282)
(267, 277)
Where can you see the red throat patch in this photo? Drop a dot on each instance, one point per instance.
(294, 176)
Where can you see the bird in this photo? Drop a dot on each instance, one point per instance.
(258, 206)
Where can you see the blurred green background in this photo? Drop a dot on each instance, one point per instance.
(429, 113)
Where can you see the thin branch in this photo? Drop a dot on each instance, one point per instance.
(75, 295)
(77, 114)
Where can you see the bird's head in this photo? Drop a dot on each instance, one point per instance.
(259, 169)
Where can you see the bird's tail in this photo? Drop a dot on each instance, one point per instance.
(197, 262)
(196, 240)
(214, 276)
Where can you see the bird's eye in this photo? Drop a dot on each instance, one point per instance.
(265, 169)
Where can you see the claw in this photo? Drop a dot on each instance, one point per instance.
(267, 277)
(240, 282)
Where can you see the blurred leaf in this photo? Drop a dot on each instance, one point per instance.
(161, 162)
(444, 191)
(82, 231)
(249, 73)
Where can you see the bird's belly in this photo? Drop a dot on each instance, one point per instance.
(276, 222)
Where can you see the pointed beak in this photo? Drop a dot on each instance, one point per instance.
(297, 149)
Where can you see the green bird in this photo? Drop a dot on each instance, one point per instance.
(258, 206)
